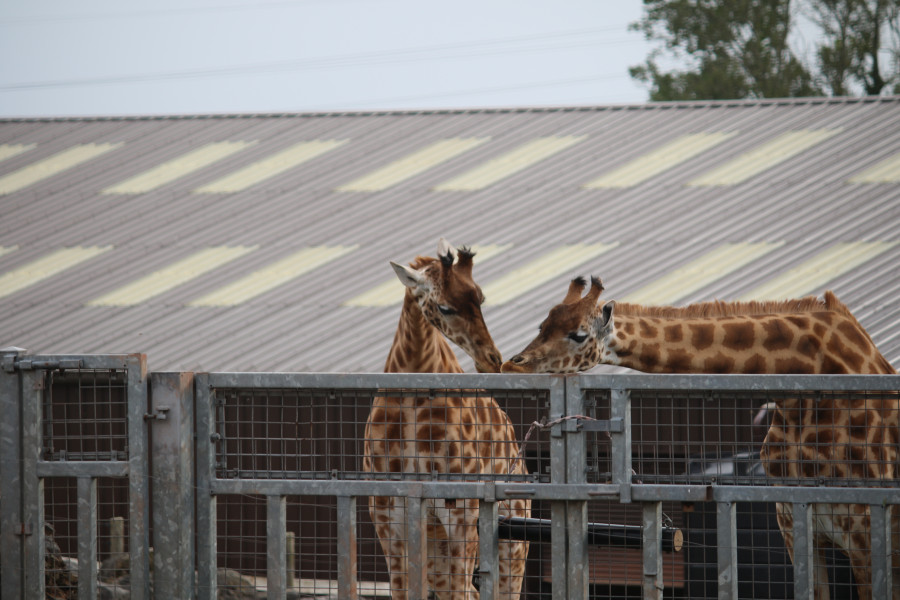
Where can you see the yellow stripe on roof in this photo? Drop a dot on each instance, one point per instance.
(172, 276)
(811, 276)
(52, 165)
(391, 291)
(539, 271)
(174, 169)
(764, 157)
(269, 167)
(45, 267)
(412, 165)
(699, 273)
(510, 163)
(659, 160)
(887, 171)
(10, 150)
(276, 274)
(7, 249)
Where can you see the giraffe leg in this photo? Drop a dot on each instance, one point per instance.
(513, 554)
(387, 514)
(459, 549)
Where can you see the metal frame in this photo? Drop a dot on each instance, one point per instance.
(184, 417)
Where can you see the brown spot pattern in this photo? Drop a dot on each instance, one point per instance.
(739, 336)
(702, 335)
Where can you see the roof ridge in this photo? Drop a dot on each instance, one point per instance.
(815, 100)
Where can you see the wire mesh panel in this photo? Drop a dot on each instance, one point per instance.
(299, 434)
(695, 434)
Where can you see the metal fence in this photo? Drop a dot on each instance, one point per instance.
(253, 484)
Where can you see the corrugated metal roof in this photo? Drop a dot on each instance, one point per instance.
(827, 203)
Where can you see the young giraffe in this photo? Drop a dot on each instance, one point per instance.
(444, 434)
(823, 438)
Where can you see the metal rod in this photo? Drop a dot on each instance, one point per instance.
(87, 537)
(346, 547)
(276, 549)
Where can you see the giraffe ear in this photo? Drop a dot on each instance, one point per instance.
(603, 322)
(408, 276)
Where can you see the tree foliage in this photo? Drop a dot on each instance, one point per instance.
(740, 48)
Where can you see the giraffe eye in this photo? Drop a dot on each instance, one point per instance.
(577, 336)
(446, 310)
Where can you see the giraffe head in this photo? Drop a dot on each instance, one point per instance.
(451, 301)
(572, 337)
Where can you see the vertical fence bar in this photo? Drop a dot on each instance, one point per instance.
(804, 573)
(416, 547)
(173, 475)
(33, 535)
(276, 547)
(346, 547)
(620, 443)
(558, 510)
(726, 544)
(87, 537)
(205, 411)
(576, 517)
(652, 550)
(138, 475)
(488, 550)
(10, 476)
(880, 546)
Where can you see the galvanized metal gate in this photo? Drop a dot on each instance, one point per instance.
(263, 471)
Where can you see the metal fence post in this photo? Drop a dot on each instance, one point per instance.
(87, 537)
(620, 443)
(804, 571)
(880, 525)
(206, 502)
(416, 545)
(276, 547)
(346, 547)
(173, 473)
(726, 544)
(652, 550)
(488, 550)
(10, 476)
(138, 477)
(576, 473)
(33, 534)
(558, 509)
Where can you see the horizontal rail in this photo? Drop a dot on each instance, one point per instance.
(82, 469)
(598, 534)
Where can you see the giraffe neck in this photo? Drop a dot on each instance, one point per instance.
(812, 342)
(418, 345)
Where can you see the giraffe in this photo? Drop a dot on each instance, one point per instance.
(465, 434)
(822, 438)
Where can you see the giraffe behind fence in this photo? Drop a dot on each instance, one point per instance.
(455, 433)
(825, 438)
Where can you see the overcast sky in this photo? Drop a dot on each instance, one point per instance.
(108, 57)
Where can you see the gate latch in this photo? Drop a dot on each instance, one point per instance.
(614, 425)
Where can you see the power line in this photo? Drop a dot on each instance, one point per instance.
(483, 48)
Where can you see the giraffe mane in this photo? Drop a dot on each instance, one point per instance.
(719, 308)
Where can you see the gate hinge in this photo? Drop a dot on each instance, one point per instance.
(160, 414)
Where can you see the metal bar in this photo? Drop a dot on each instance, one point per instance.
(87, 537)
(652, 550)
(416, 549)
(82, 469)
(488, 551)
(204, 399)
(804, 557)
(576, 511)
(559, 551)
(790, 383)
(726, 545)
(173, 473)
(34, 543)
(558, 510)
(880, 532)
(346, 547)
(384, 381)
(620, 443)
(10, 477)
(138, 477)
(276, 547)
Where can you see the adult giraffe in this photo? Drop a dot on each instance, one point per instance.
(821, 438)
(452, 433)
